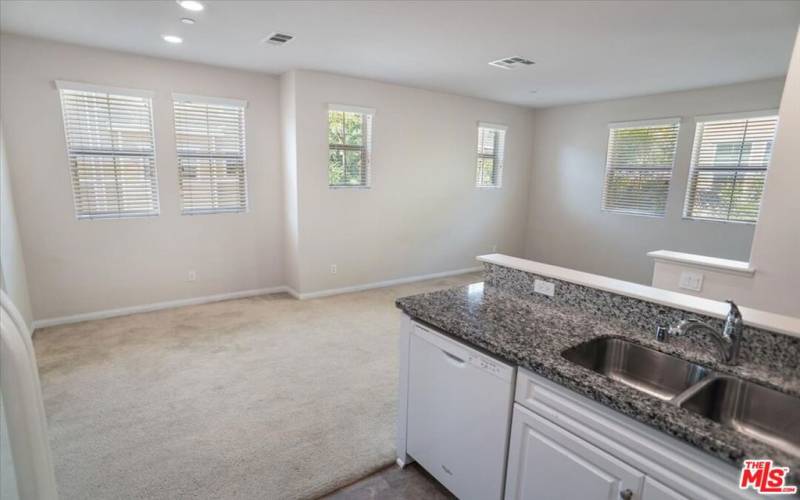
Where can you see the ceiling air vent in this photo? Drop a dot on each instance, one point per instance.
(278, 39)
(511, 62)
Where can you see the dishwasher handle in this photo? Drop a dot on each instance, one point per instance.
(452, 358)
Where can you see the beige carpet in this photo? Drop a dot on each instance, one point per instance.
(267, 397)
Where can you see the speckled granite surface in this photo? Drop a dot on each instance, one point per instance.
(759, 346)
(533, 333)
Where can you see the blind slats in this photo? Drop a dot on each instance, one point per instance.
(210, 138)
(639, 168)
(111, 153)
(349, 146)
(729, 167)
(490, 155)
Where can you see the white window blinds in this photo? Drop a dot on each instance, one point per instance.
(210, 139)
(491, 150)
(729, 167)
(349, 145)
(109, 134)
(639, 166)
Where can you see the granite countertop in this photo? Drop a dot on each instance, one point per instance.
(533, 334)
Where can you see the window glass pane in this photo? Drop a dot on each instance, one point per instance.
(354, 134)
(335, 127)
(486, 171)
(487, 142)
(353, 167)
(336, 167)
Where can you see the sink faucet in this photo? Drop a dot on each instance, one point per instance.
(728, 340)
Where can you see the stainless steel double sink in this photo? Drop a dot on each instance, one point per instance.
(764, 414)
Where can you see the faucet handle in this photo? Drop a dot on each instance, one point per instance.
(662, 327)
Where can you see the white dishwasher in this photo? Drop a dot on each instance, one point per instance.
(459, 414)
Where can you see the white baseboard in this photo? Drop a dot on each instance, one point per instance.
(294, 293)
(379, 284)
(124, 311)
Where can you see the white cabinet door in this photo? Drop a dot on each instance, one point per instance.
(653, 490)
(548, 463)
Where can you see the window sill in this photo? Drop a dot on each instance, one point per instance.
(718, 221)
(713, 263)
(116, 216)
(216, 212)
(635, 214)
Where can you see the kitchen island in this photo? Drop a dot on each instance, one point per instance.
(505, 319)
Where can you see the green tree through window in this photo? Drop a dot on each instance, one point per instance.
(349, 148)
(639, 168)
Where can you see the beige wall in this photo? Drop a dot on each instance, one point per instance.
(717, 284)
(13, 274)
(566, 226)
(775, 255)
(776, 245)
(92, 265)
(422, 213)
(291, 229)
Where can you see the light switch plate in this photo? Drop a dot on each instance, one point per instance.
(544, 287)
(690, 280)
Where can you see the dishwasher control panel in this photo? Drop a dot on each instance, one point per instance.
(486, 364)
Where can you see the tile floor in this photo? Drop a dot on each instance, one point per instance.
(393, 483)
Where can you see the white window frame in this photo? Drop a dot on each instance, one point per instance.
(147, 95)
(700, 121)
(177, 99)
(498, 155)
(636, 124)
(367, 147)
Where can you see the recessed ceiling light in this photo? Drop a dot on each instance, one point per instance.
(172, 38)
(191, 5)
(187, 20)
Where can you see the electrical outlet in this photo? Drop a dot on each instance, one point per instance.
(690, 280)
(333, 269)
(494, 248)
(544, 287)
(192, 275)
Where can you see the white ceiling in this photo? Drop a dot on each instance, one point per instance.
(584, 51)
